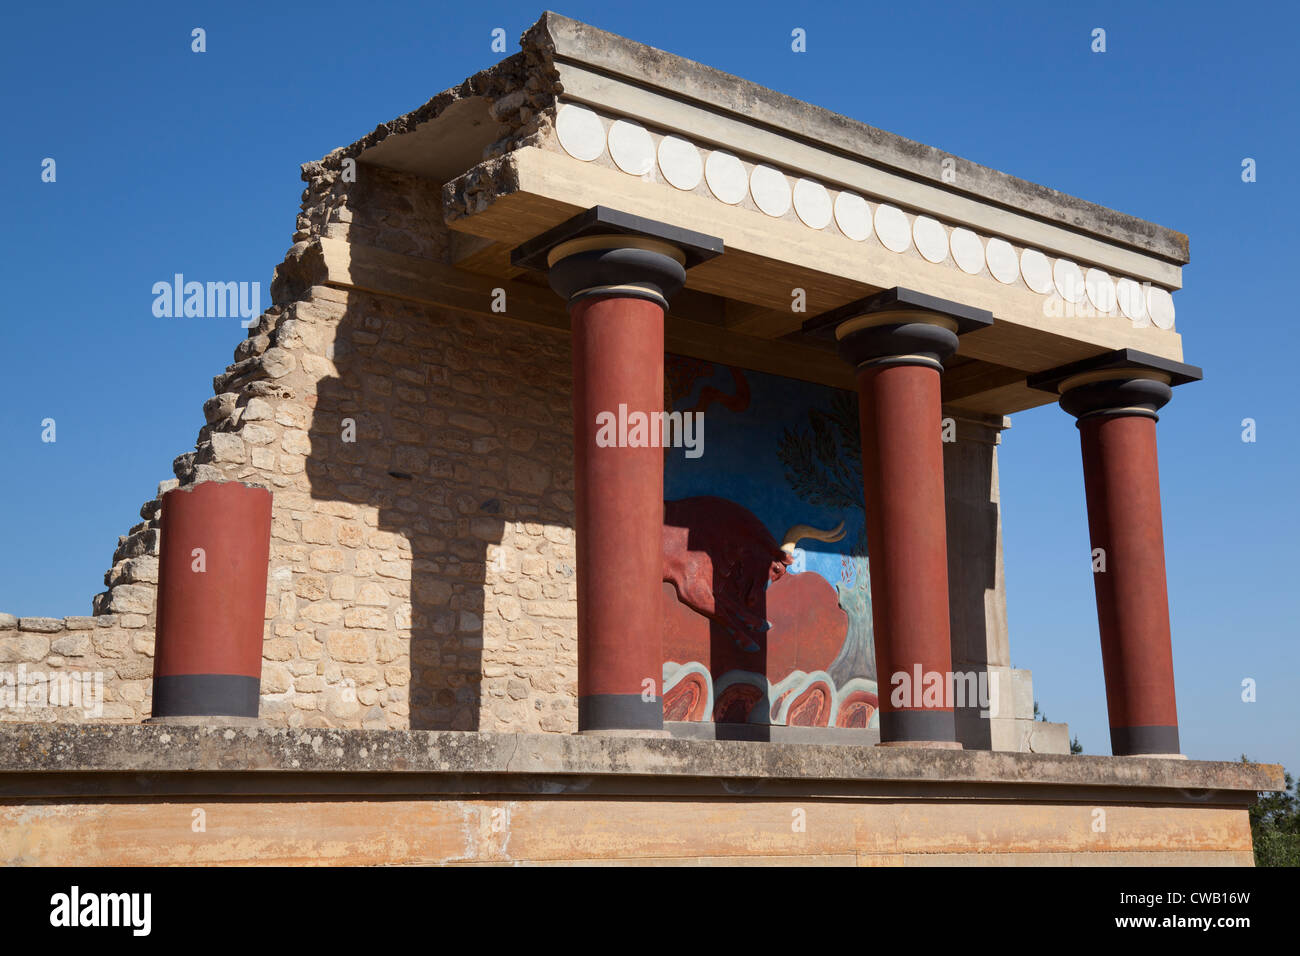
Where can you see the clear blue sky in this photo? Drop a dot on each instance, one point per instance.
(170, 161)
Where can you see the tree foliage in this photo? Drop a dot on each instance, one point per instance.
(1275, 824)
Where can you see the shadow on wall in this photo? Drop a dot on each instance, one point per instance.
(973, 566)
(447, 438)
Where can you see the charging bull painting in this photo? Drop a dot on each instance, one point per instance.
(766, 594)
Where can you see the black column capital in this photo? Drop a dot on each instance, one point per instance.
(899, 327)
(1122, 382)
(607, 252)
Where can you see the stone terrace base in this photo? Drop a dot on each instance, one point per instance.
(111, 794)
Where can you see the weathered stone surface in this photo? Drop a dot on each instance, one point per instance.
(8, 622)
(71, 645)
(31, 647)
(220, 407)
(226, 447)
(138, 570)
(143, 543)
(43, 625)
(132, 599)
(158, 747)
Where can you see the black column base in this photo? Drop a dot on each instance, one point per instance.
(1137, 741)
(206, 695)
(619, 712)
(901, 726)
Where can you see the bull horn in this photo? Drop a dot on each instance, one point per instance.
(799, 531)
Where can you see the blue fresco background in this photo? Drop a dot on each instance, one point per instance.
(740, 462)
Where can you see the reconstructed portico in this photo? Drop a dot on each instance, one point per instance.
(949, 289)
(475, 596)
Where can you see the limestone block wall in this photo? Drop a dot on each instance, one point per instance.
(76, 669)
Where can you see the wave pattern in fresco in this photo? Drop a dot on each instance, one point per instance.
(767, 607)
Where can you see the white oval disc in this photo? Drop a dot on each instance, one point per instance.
(770, 190)
(1101, 291)
(1131, 301)
(1037, 271)
(853, 216)
(812, 203)
(968, 251)
(892, 228)
(1003, 264)
(1160, 305)
(631, 147)
(680, 162)
(726, 177)
(1068, 279)
(581, 132)
(931, 238)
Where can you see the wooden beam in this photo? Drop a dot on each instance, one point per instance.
(761, 321)
(965, 379)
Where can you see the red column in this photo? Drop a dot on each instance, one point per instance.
(618, 363)
(1116, 398)
(617, 273)
(214, 552)
(1122, 480)
(902, 470)
(898, 341)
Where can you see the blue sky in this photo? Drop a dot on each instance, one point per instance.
(170, 161)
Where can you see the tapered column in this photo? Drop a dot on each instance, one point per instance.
(212, 565)
(617, 273)
(897, 341)
(1116, 399)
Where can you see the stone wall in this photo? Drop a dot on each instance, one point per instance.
(110, 656)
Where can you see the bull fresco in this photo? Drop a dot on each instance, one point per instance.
(767, 607)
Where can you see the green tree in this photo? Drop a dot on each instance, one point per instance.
(1275, 824)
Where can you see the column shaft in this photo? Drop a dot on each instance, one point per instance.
(212, 566)
(902, 468)
(617, 272)
(1122, 481)
(618, 360)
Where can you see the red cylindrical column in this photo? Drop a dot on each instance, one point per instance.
(1122, 480)
(1116, 398)
(899, 356)
(618, 363)
(215, 548)
(902, 471)
(617, 272)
